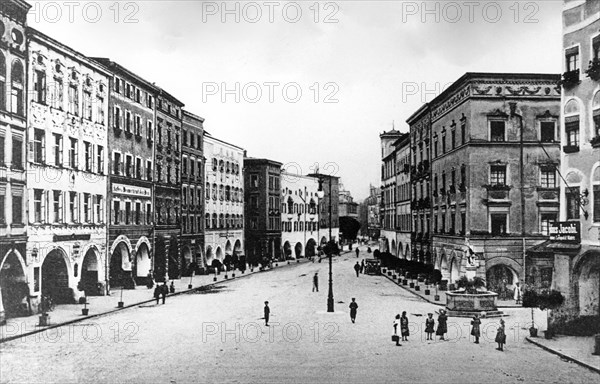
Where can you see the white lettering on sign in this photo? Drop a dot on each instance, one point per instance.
(131, 190)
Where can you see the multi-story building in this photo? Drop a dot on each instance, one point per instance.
(348, 208)
(130, 192)
(262, 185)
(224, 209)
(329, 208)
(15, 274)
(494, 155)
(577, 261)
(387, 240)
(167, 187)
(403, 205)
(67, 165)
(369, 213)
(420, 171)
(300, 216)
(192, 197)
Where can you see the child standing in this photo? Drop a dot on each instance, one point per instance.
(429, 326)
(501, 336)
(404, 326)
(475, 331)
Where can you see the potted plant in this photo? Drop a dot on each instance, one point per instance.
(120, 304)
(436, 297)
(545, 300)
(85, 310)
(412, 284)
(427, 290)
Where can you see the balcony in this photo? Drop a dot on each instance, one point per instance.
(570, 78)
(593, 71)
(595, 141)
(570, 148)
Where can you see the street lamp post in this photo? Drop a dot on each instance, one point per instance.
(321, 194)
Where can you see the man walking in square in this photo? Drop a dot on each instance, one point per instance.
(353, 308)
(357, 268)
(267, 313)
(316, 282)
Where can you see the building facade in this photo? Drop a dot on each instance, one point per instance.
(348, 208)
(224, 199)
(369, 213)
(577, 262)
(387, 240)
(403, 222)
(262, 185)
(192, 196)
(15, 271)
(494, 153)
(67, 168)
(131, 120)
(300, 216)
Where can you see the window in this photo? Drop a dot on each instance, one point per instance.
(128, 121)
(138, 168)
(73, 100)
(117, 85)
(184, 170)
(98, 205)
(58, 149)
(73, 207)
(138, 95)
(572, 197)
(100, 159)
(254, 181)
(463, 131)
(207, 195)
(39, 86)
(596, 202)
(497, 129)
(17, 88)
(87, 208)
(100, 110)
(192, 167)
(17, 208)
(435, 147)
(87, 105)
(572, 133)
(453, 138)
(444, 142)
(89, 156)
(148, 170)
(2, 208)
(116, 212)
(138, 125)
(547, 131)
(463, 223)
(150, 101)
(73, 153)
(117, 163)
(148, 213)
(138, 213)
(149, 132)
(2, 82)
(129, 166)
(498, 223)
(128, 212)
(17, 153)
(545, 220)
(117, 118)
(39, 144)
(38, 206)
(2, 152)
(548, 177)
(498, 175)
(57, 93)
(572, 59)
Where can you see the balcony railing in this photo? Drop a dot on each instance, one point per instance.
(593, 71)
(570, 78)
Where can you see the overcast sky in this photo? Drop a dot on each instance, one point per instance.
(374, 62)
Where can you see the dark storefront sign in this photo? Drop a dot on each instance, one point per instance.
(565, 231)
(82, 237)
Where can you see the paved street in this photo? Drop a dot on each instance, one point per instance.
(219, 336)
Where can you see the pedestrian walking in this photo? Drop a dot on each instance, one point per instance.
(442, 324)
(353, 308)
(267, 313)
(357, 252)
(157, 291)
(172, 287)
(150, 280)
(396, 324)
(501, 336)
(476, 322)
(357, 268)
(429, 326)
(362, 266)
(404, 326)
(163, 291)
(316, 282)
(517, 293)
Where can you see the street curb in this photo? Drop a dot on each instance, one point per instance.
(566, 357)
(414, 293)
(80, 319)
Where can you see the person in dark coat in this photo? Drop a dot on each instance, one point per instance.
(157, 292)
(404, 326)
(316, 282)
(267, 313)
(429, 326)
(353, 308)
(501, 336)
(475, 331)
(164, 290)
(442, 325)
(362, 266)
(357, 268)
(172, 287)
(357, 252)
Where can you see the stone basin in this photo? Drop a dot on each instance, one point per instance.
(460, 304)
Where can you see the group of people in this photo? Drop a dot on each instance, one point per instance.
(359, 268)
(442, 328)
(163, 291)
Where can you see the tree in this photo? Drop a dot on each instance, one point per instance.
(547, 299)
(349, 226)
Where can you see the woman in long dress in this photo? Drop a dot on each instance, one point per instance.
(501, 336)
(429, 326)
(476, 322)
(404, 326)
(442, 325)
